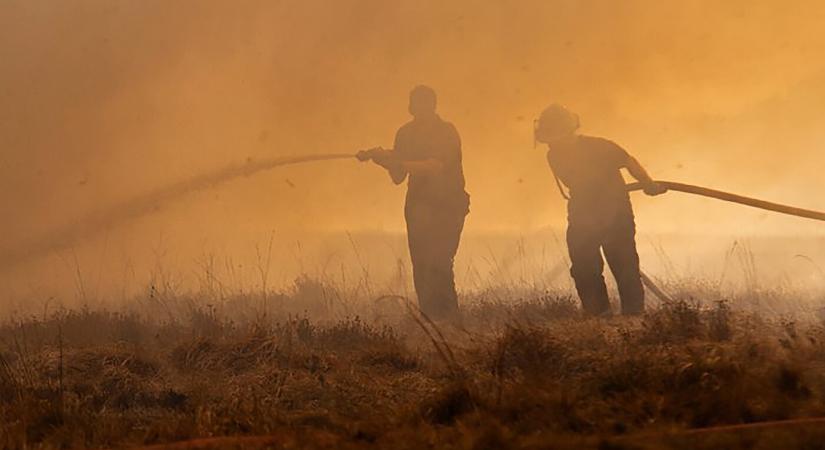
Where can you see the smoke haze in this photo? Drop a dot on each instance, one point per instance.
(102, 101)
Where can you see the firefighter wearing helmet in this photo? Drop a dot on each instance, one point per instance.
(599, 213)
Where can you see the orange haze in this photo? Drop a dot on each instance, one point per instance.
(101, 101)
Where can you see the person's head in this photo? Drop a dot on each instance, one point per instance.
(555, 124)
(422, 101)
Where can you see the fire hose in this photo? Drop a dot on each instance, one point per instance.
(115, 215)
(740, 199)
(727, 197)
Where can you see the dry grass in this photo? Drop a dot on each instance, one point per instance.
(529, 374)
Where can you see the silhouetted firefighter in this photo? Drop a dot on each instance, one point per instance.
(428, 151)
(599, 213)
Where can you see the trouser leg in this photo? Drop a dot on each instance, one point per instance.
(584, 247)
(416, 239)
(623, 259)
(445, 246)
(433, 241)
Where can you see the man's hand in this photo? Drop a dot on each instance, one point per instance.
(379, 156)
(363, 155)
(638, 172)
(369, 155)
(382, 157)
(653, 188)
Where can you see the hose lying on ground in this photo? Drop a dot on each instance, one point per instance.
(742, 200)
(656, 290)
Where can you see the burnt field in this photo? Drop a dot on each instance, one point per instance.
(526, 372)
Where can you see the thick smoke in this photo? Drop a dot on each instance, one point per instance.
(103, 101)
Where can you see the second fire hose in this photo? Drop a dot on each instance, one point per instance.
(727, 197)
(734, 198)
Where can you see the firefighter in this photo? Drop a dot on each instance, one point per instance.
(427, 153)
(599, 213)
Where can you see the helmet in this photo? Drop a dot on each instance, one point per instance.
(555, 122)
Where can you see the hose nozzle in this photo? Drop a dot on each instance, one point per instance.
(363, 155)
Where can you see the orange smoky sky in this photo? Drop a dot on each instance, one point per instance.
(103, 100)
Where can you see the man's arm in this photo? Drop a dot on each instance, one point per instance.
(429, 166)
(400, 166)
(387, 159)
(397, 173)
(399, 169)
(435, 164)
(638, 172)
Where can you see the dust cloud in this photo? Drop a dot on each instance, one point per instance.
(102, 102)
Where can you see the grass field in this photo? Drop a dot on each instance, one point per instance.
(289, 370)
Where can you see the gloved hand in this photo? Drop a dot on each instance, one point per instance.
(370, 155)
(378, 155)
(364, 155)
(653, 188)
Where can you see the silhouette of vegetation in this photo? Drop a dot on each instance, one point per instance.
(530, 374)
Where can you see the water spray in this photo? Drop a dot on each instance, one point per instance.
(105, 219)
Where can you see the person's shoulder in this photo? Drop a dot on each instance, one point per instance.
(405, 130)
(449, 132)
(600, 143)
(596, 141)
(447, 125)
(406, 127)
